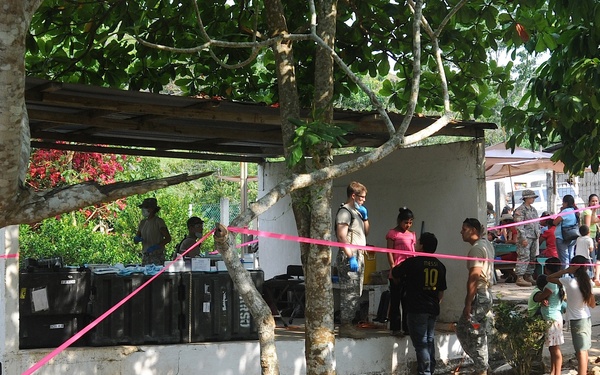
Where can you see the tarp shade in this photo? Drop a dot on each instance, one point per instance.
(500, 162)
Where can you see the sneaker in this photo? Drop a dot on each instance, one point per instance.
(350, 331)
(398, 333)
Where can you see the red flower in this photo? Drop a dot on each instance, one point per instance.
(522, 32)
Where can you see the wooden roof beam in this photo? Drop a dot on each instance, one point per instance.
(147, 152)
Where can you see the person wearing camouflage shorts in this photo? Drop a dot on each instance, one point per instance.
(351, 227)
(476, 321)
(153, 233)
(527, 239)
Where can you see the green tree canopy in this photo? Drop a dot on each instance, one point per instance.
(562, 104)
(93, 43)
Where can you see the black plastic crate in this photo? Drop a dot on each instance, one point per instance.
(215, 311)
(223, 306)
(243, 325)
(60, 292)
(161, 302)
(50, 331)
(152, 316)
(208, 307)
(125, 325)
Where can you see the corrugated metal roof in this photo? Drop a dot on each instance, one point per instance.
(99, 119)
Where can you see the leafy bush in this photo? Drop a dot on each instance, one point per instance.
(75, 243)
(75, 236)
(519, 337)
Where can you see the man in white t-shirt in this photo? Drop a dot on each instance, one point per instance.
(475, 322)
(584, 245)
(351, 227)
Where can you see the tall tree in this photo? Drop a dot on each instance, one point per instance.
(562, 104)
(19, 204)
(92, 43)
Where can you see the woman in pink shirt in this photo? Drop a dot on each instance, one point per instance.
(399, 238)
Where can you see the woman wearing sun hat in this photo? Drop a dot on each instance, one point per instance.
(152, 233)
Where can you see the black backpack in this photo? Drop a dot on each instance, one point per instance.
(177, 248)
(382, 310)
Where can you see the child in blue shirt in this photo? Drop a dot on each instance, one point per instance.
(551, 311)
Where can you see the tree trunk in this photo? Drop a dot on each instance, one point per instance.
(320, 338)
(314, 219)
(15, 18)
(225, 244)
(288, 100)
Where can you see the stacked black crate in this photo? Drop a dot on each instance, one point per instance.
(161, 304)
(208, 307)
(52, 306)
(215, 310)
(244, 326)
(124, 326)
(151, 316)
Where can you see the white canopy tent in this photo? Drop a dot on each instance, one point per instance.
(500, 162)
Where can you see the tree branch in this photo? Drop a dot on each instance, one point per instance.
(256, 46)
(428, 131)
(450, 14)
(32, 207)
(434, 35)
(416, 74)
(372, 97)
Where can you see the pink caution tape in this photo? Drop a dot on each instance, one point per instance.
(246, 243)
(518, 223)
(287, 237)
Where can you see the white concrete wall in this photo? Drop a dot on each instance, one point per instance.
(382, 355)
(275, 255)
(442, 185)
(3, 294)
(9, 294)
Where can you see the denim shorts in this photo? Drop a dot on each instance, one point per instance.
(581, 332)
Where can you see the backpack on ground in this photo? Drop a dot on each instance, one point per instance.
(382, 310)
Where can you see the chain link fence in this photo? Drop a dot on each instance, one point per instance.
(211, 212)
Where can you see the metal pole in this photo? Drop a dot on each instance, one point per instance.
(244, 198)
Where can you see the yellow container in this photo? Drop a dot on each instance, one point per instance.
(370, 266)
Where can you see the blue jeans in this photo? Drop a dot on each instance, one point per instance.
(565, 251)
(421, 328)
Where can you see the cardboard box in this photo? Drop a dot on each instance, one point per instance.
(200, 265)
